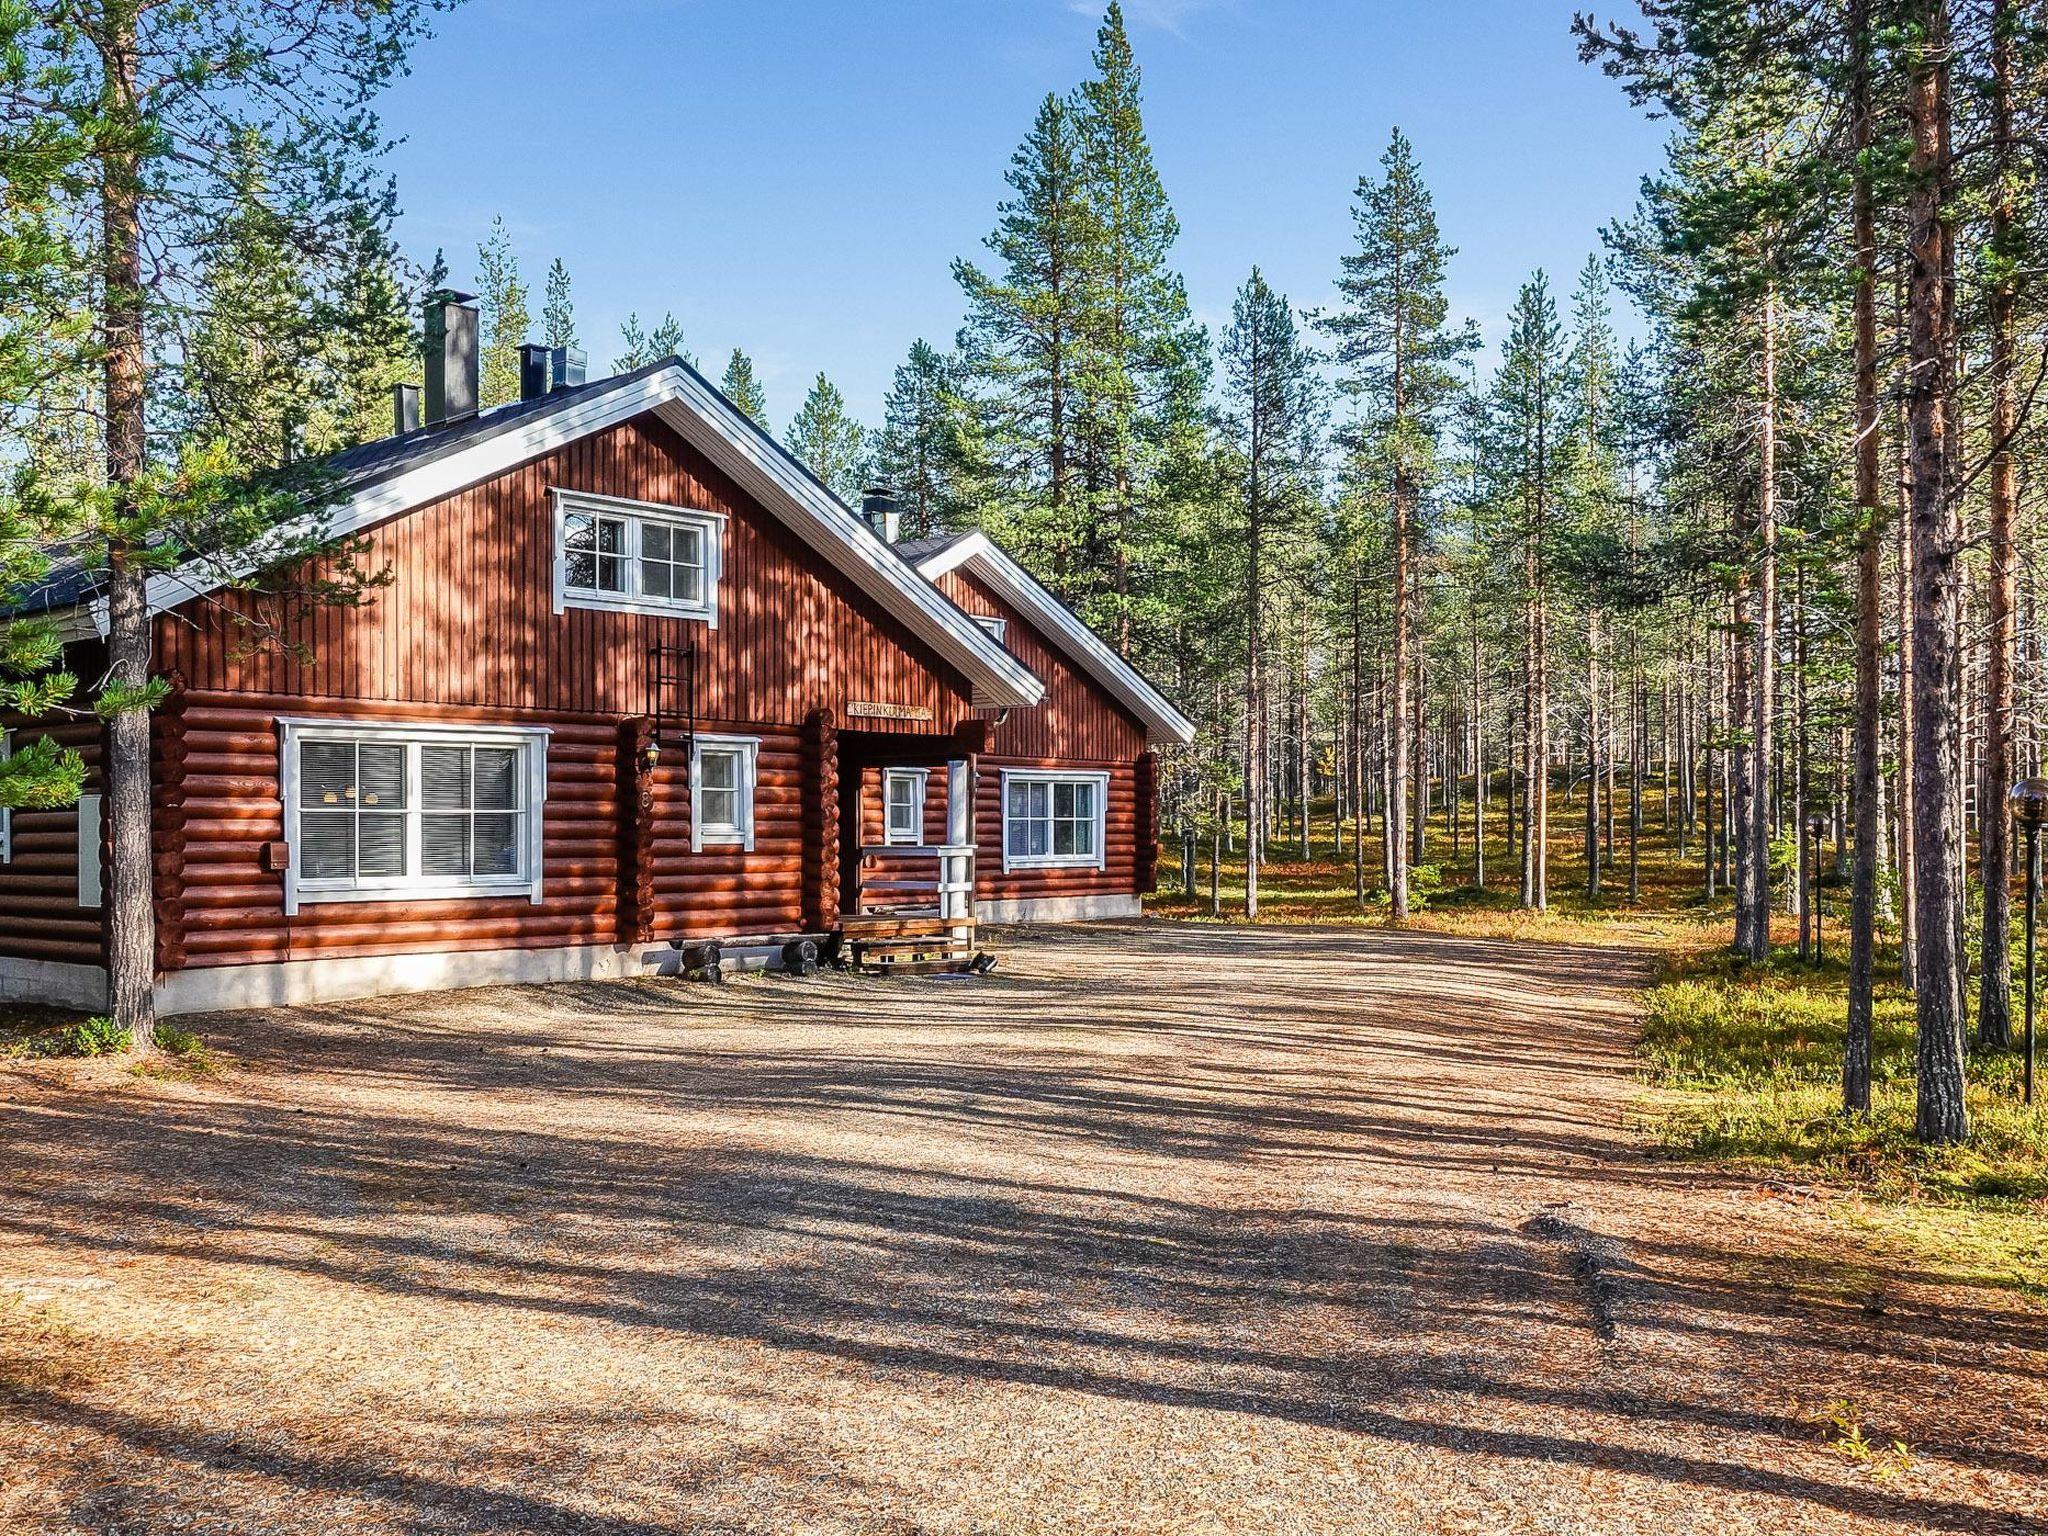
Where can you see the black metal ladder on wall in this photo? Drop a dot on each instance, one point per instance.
(672, 692)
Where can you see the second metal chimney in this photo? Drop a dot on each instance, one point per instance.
(451, 357)
(878, 507)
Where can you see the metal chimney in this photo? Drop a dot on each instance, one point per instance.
(565, 367)
(451, 357)
(878, 507)
(533, 370)
(405, 408)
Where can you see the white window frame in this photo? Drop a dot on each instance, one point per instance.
(532, 744)
(918, 779)
(6, 811)
(742, 836)
(998, 629)
(1049, 777)
(636, 515)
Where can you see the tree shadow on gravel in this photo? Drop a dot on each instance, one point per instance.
(497, 1189)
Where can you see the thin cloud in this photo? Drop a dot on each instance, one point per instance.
(1159, 15)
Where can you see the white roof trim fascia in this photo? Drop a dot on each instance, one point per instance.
(998, 680)
(1015, 585)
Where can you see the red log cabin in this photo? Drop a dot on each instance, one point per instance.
(636, 680)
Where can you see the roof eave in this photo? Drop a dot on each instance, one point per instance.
(1162, 722)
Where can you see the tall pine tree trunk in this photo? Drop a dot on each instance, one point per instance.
(1940, 1114)
(1864, 873)
(129, 914)
(1398, 718)
(1593, 752)
(1753, 788)
(1994, 1006)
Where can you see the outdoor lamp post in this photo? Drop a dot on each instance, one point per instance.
(2029, 805)
(1816, 829)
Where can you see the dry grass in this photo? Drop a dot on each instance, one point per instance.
(1160, 1229)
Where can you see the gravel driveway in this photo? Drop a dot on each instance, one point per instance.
(1159, 1229)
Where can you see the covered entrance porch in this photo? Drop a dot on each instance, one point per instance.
(907, 846)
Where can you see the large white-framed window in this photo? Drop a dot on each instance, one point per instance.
(903, 805)
(390, 811)
(637, 556)
(6, 812)
(1054, 820)
(722, 770)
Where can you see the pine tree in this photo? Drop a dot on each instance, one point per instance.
(1530, 424)
(368, 346)
(250, 344)
(640, 347)
(923, 452)
(503, 320)
(127, 115)
(743, 389)
(1395, 351)
(1269, 388)
(558, 312)
(1146, 384)
(1032, 342)
(830, 443)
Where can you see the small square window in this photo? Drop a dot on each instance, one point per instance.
(722, 789)
(903, 802)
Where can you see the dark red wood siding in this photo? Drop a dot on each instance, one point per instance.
(1079, 726)
(1078, 718)
(468, 617)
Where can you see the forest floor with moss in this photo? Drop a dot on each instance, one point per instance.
(1740, 1063)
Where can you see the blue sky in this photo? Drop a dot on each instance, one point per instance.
(796, 176)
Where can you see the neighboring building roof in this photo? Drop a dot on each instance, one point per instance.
(916, 551)
(977, 552)
(382, 479)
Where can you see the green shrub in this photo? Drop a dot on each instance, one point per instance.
(178, 1042)
(97, 1036)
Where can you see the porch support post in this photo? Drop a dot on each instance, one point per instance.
(636, 831)
(821, 821)
(960, 802)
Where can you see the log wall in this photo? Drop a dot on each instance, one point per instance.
(40, 918)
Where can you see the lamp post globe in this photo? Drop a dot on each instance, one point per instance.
(2028, 803)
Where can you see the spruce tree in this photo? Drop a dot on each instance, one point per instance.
(366, 324)
(502, 317)
(249, 344)
(558, 312)
(830, 443)
(743, 389)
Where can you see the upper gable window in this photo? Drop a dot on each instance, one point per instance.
(636, 556)
(998, 629)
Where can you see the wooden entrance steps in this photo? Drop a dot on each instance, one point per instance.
(893, 943)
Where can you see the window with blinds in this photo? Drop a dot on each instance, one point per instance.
(376, 811)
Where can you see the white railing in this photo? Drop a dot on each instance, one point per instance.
(946, 891)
